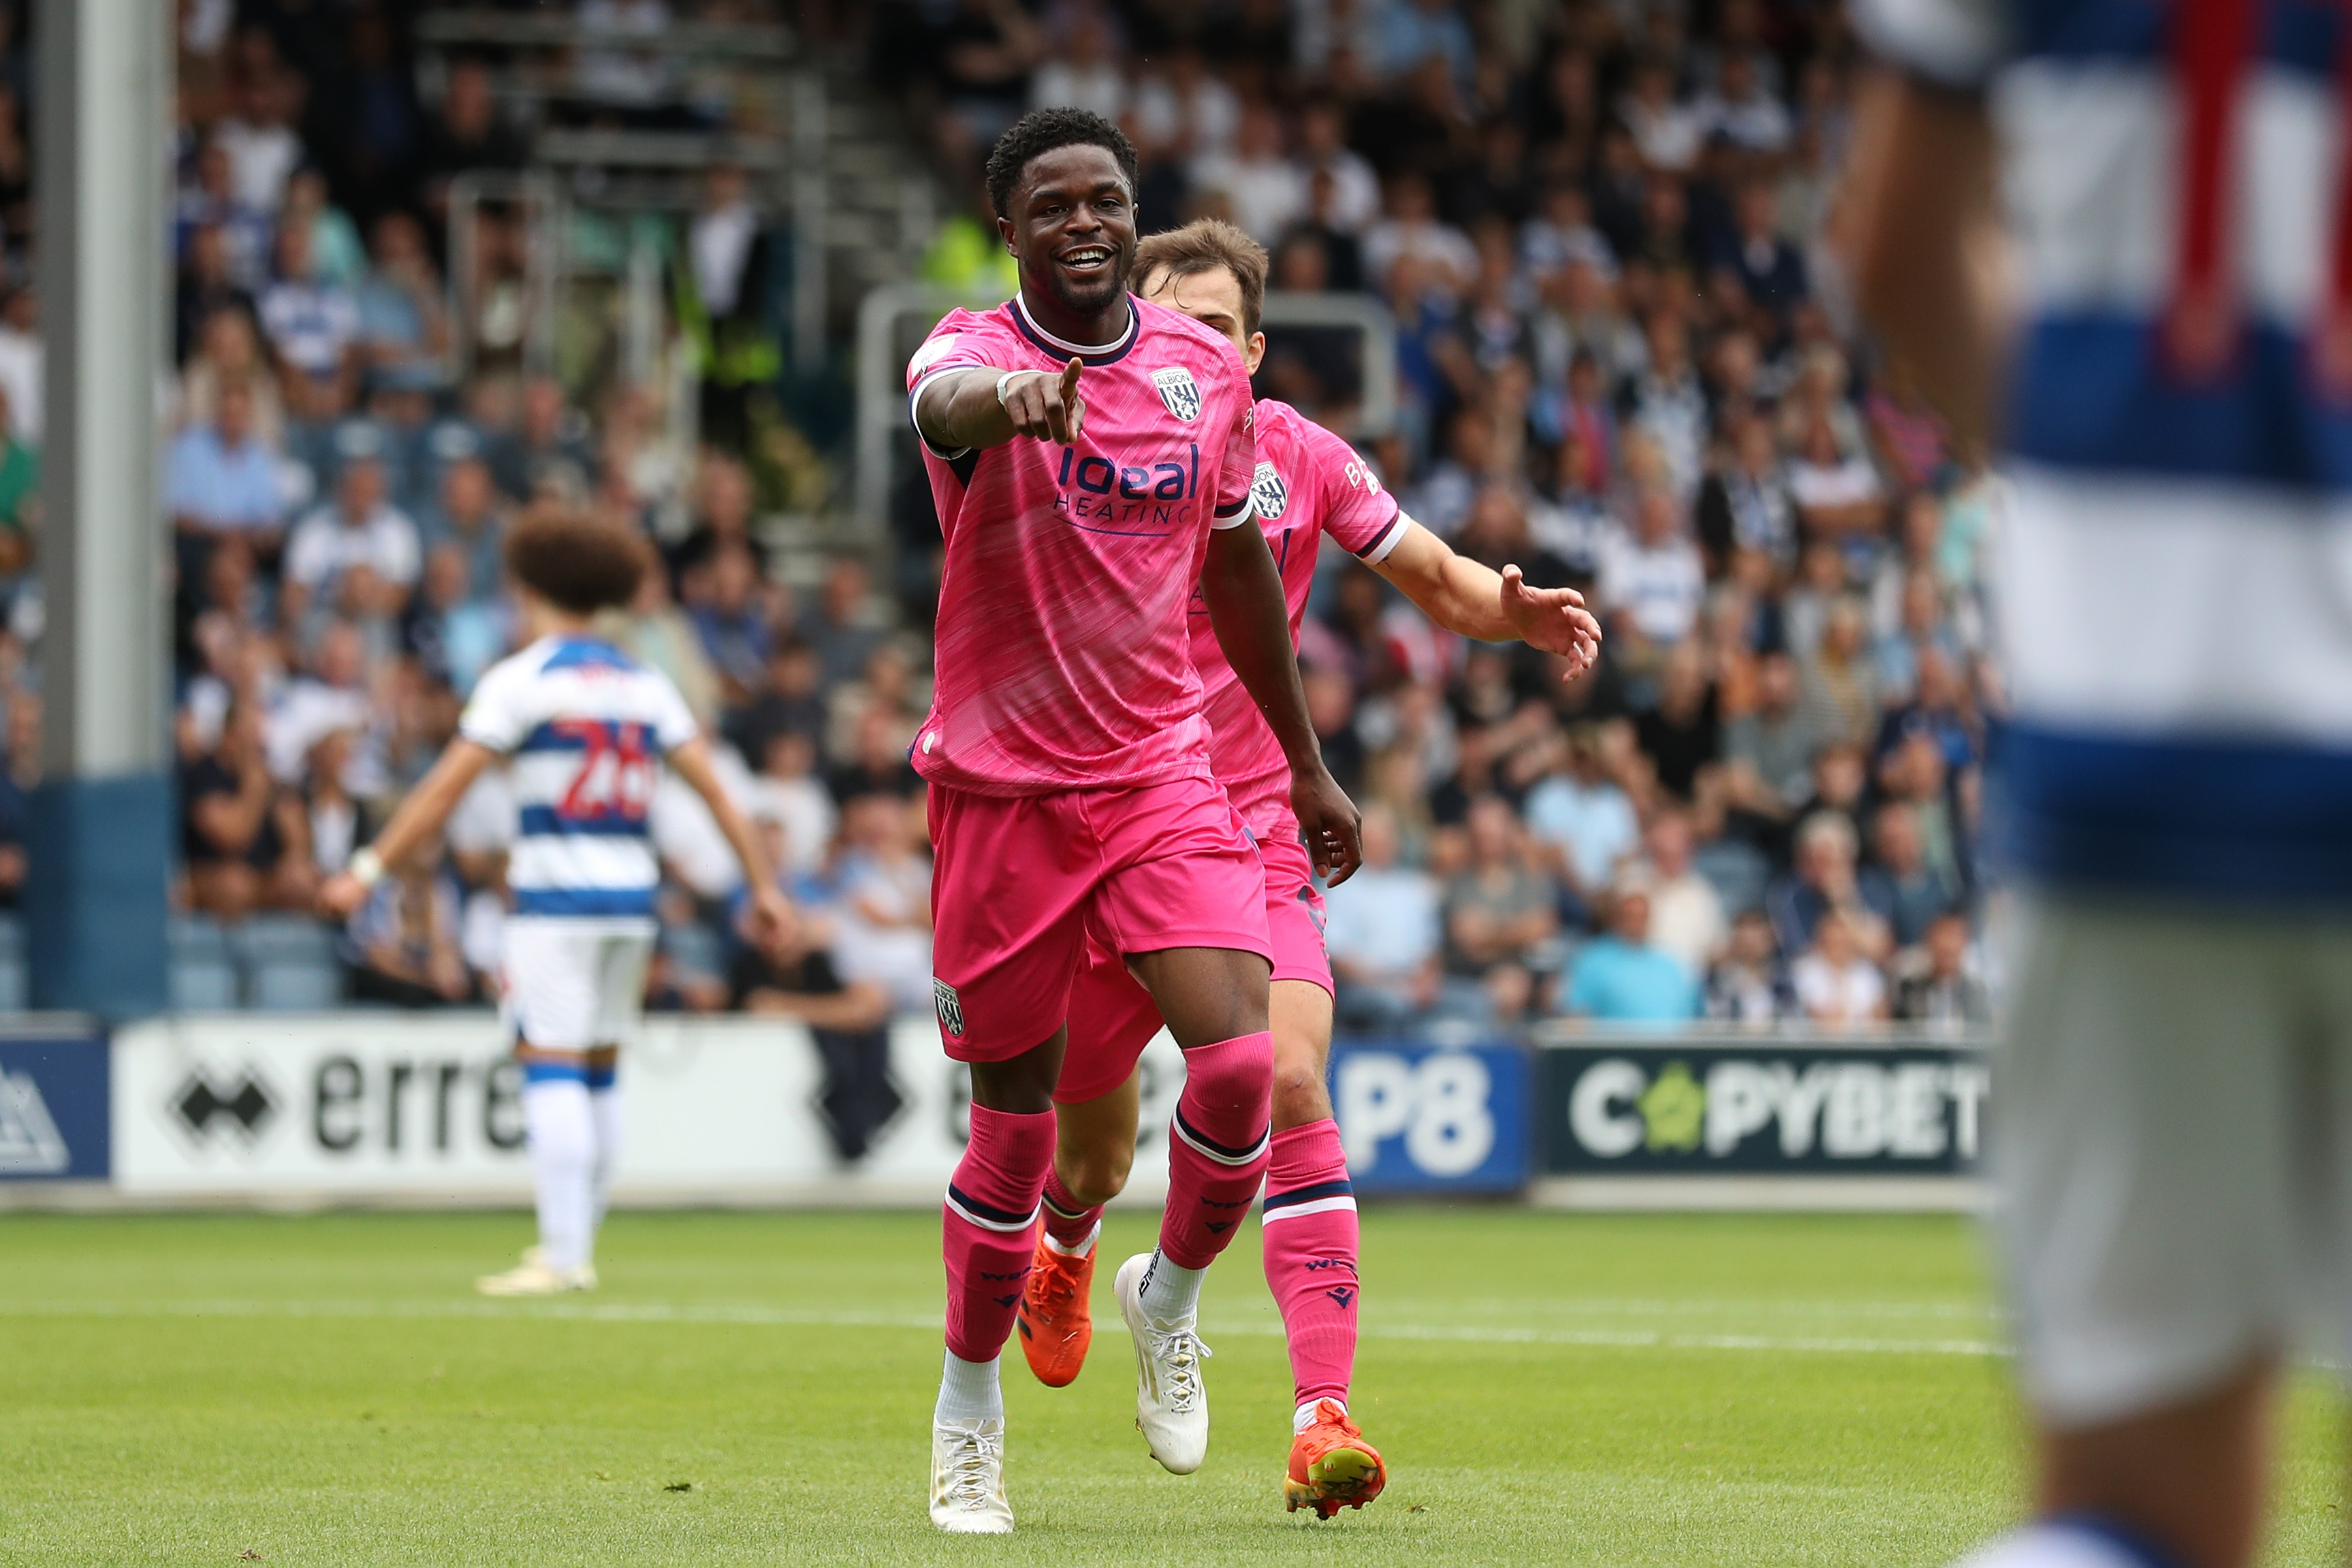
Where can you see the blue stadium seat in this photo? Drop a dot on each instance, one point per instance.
(203, 978)
(697, 949)
(290, 963)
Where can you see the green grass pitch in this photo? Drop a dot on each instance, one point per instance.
(754, 1388)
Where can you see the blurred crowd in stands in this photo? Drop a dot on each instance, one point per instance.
(1625, 363)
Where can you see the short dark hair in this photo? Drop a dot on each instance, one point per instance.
(1204, 244)
(1042, 130)
(575, 560)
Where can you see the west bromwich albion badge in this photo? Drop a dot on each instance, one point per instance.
(1177, 390)
(1269, 491)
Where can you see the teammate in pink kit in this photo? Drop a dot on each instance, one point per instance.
(1308, 483)
(1091, 458)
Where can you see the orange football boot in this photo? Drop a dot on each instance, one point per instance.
(1331, 1466)
(1055, 1323)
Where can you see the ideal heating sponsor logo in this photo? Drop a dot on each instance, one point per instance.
(1756, 1111)
(1119, 495)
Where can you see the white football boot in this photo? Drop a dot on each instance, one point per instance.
(968, 1477)
(534, 1277)
(1172, 1403)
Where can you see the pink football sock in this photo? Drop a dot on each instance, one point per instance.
(1068, 1221)
(1310, 1226)
(1216, 1146)
(990, 1228)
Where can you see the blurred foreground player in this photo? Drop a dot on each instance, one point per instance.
(1308, 483)
(2175, 1135)
(1091, 459)
(587, 729)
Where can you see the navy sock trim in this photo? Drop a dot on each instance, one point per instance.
(1321, 1189)
(1227, 1153)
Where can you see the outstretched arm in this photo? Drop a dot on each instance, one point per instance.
(770, 914)
(966, 410)
(1472, 599)
(1920, 227)
(1243, 591)
(420, 816)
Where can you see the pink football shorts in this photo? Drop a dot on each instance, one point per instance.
(1111, 1015)
(1023, 884)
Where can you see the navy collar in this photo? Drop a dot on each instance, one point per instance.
(1093, 354)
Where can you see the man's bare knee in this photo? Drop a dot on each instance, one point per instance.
(1096, 1177)
(1298, 1094)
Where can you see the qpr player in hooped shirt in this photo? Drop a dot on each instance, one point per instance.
(2116, 239)
(1091, 457)
(1308, 483)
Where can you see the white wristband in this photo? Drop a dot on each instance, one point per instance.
(1000, 386)
(366, 866)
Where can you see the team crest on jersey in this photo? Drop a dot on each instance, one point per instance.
(950, 1006)
(1269, 491)
(1177, 390)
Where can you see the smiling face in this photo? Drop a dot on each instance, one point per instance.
(1072, 228)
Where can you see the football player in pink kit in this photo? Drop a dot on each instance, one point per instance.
(1308, 483)
(1091, 458)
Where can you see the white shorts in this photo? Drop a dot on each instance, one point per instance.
(571, 983)
(2173, 1135)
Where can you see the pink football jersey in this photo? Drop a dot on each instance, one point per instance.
(1063, 649)
(1308, 483)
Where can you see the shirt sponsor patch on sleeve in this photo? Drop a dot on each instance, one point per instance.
(932, 352)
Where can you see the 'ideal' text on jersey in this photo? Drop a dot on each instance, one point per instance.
(1063, 653)
(586, 729)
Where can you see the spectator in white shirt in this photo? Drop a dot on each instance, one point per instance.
(1269, 192)
(1835, 493)
(1187, 112)
(359, 531)
(21, 363)
(1834, 983)
(1668, 134)
(1411, 228)
(262, 148)
(1562, 231)
(1081, 73)
(1383, 932)
(1742, 108)
(1686, 912)
(787, 790)
(1355, 190)
(1652, 583)
(332, 695)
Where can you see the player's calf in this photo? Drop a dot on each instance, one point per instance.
(1310, 1238)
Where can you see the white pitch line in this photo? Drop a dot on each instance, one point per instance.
(780, 1317)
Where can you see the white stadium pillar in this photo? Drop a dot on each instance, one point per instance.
(100, 830)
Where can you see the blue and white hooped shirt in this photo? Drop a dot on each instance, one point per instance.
(587, 729)
(2176, 583)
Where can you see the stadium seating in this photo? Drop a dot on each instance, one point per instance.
(204, 975)
(288, 964)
